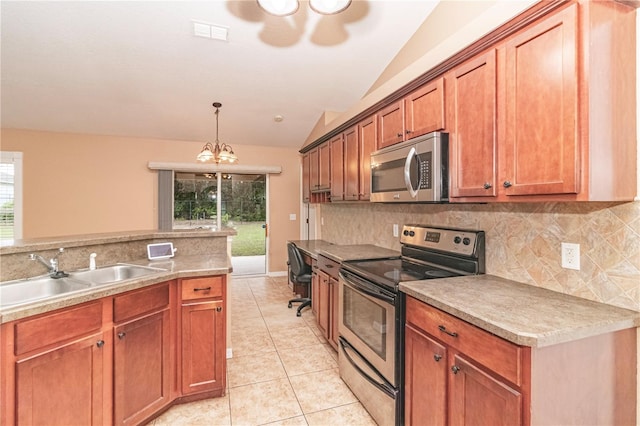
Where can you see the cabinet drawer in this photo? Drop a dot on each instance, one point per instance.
(140, 302)
(493, 352)
(57, 327)
(203, 288)
(329, 266)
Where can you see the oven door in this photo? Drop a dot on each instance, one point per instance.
(367, 322)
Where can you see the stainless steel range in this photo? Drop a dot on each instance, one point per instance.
(371, 310)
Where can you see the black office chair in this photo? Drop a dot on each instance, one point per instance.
(299, 273)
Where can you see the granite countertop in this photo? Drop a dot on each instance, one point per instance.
(177, 267)
(311, 247)
(25, 245)
(520, 313)
(340, 253)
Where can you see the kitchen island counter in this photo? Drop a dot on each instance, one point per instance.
(521, 313)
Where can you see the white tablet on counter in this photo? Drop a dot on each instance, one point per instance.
(160, 251)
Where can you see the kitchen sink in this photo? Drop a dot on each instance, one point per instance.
(25, 291)
(33, 289)
(114, 274)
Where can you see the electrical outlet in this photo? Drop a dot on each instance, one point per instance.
(396, 232)
(571, 256)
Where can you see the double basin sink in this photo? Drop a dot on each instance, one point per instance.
(20, 292)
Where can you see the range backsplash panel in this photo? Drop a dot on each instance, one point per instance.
(523, 241)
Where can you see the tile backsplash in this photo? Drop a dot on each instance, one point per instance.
(523, 241)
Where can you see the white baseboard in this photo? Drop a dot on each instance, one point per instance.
(278, 274)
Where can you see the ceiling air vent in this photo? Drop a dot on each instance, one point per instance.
(212, 31)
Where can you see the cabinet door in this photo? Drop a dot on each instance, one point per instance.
(203, 347)
(324, 168)
(351, 164)
(315, 294)
(391, 124)
(368, 133)
(333, 318)
(540, 146)
(425, 380)
(323, 303)
(65, 386)
(306, 176)
(471, 95)
(475, 398)
(314, 171)
(337, 168)
(424, 109)
(141, 367)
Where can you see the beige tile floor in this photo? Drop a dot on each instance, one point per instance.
(282, 372)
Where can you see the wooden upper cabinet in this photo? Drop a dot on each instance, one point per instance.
(368, 141)
(313, 170)
(337, 168)
(306, 175)
(424, 110)
(541, 150)
(324, 168)
(391, 124)
(471, 103)
(351, 164)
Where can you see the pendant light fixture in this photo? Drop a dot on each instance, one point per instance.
(289, 7)
(218, 153)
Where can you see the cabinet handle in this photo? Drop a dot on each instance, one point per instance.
(487, 185)
(444, 330)
(455, 369)
(202, 289)
(507, 184)
(121, 335)
(399, 135)
(408, 132)
(219, 309)
(100, 343)
(437, 357)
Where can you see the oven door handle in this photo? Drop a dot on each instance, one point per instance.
(382, 384)
(356, 284)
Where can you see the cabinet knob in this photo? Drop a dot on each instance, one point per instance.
(487, 185)
(121, 335)
(455, 369)
(437, 357)
(399, 135)
(219, 309)
(408, 132)
(100, 343)
(507, 184)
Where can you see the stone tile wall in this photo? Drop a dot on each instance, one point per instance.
(523, 241)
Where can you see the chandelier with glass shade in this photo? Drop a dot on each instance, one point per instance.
(218, 153)
(289, 7)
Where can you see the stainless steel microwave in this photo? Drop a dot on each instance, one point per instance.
(415, 171)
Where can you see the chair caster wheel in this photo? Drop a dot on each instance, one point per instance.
(298, 314)
(290, 305)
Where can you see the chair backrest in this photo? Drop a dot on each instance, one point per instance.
(297, 265)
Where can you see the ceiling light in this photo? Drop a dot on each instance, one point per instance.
(289, 7)
(218, 153)
(279, 7)
(329, 7)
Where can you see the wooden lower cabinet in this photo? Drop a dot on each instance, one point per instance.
(64, 385)
(326, 299)
(459, 374)
(117, 360)
(203, 336)
(141, 367)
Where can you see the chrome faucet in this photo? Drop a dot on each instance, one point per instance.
(52, 265)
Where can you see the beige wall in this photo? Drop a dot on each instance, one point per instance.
(80, 184)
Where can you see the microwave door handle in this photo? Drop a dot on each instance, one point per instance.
(407, 172)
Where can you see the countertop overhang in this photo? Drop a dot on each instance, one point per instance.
(520, 313)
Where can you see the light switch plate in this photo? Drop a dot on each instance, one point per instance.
(292, 216)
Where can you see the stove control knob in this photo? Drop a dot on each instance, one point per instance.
(405, 232)
(466, 241)
(411, 233)
(457, 240)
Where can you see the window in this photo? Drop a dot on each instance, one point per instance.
(10, 196)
